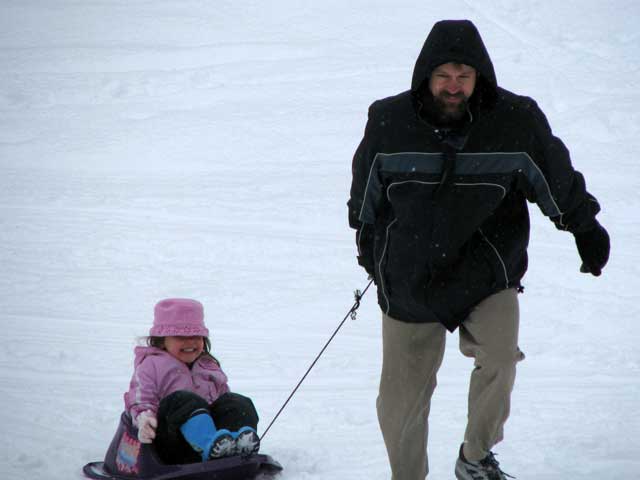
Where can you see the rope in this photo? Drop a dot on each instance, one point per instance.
(350, 314)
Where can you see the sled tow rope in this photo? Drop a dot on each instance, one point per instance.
(350, 314)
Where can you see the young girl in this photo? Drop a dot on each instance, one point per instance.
(178, 397)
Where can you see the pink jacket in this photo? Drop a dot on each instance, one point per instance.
(157, 374)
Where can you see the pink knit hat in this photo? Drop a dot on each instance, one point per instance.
(178, 317)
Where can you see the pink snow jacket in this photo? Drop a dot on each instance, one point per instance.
(158, 374)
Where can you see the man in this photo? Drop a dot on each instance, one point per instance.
(439, 197)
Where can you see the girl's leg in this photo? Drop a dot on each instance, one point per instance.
(234, 411)
(175, 409)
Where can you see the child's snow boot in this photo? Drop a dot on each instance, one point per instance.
(223, 445)
(203, 437)
(247, 441)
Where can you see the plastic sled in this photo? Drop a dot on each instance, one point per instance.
(128, 459)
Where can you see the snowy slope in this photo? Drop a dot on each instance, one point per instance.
(162, 148)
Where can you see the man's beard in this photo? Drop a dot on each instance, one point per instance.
(448, 114)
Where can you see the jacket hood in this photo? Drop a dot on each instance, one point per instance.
(453, 41)
(140, 353)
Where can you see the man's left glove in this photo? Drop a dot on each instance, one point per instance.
(593, 247)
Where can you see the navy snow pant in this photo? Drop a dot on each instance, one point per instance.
(231, 411)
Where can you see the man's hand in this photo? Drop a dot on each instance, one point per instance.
(593, 247)
(367, 265)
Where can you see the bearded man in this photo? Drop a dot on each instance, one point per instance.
(439, 197)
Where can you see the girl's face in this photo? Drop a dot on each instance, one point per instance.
(185, 349)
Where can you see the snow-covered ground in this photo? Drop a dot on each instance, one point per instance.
(193, 148)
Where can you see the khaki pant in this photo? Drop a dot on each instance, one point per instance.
(412, 355)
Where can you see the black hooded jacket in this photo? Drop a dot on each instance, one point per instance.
(441, 215)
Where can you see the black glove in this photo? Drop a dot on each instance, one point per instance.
(367, 264)
(593, 247)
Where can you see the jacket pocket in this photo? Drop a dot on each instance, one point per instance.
(495, 260)
(382, 265)
(405, 269)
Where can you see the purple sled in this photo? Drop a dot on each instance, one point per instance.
(128, 459)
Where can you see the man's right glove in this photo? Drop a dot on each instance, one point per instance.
(593, 247)
(368, 265)
(147, 424)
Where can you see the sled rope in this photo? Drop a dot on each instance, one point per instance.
(350, 314)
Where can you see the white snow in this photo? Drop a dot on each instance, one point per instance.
(203, 149)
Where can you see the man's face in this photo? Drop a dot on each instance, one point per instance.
(452, 85)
